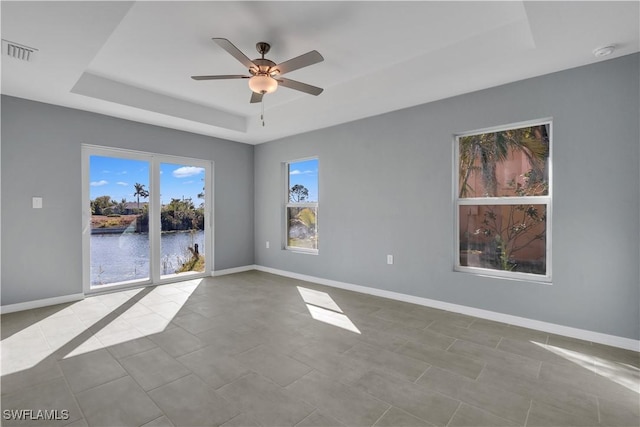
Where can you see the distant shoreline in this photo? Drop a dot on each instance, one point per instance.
(123, 230)
(112, 230)
(103, 224)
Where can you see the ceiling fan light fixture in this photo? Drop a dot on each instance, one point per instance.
(263, 84)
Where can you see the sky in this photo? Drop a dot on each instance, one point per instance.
(306, 173)
(116, 177)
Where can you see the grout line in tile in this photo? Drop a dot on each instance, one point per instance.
(381, 416)
(108, 382)
(66, 381)
(163, 415)
(481, 371)
(191, 352)
(294, 381)
(430, 323)
(455, 340)
(237, 379)
(526, 419)
(172, 381)
(421, 375)
(454, 414)
(39, 326)
(298, 423)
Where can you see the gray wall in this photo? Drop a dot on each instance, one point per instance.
(386, 188)
(42, 248)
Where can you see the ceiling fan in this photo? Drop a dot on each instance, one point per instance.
(265, 74)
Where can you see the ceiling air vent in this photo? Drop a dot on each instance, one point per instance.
(18, 51)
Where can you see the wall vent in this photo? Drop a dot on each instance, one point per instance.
(18, 51)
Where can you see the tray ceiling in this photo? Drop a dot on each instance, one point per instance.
(134, 59)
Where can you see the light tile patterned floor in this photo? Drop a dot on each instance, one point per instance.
(255, 349)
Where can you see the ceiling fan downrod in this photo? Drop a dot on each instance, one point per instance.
(263, 48)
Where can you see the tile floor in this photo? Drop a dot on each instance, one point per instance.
(256, 349)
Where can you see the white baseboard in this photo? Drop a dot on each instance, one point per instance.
(553, 328)
(10, 308)
(233, 270)
(596, 337)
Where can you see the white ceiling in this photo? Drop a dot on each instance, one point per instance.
(134, 59)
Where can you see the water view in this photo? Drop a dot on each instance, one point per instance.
(121, 201)
(123, 257)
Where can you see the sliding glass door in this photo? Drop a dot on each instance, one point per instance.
(119, 230)
(182, 219)
(146, 218)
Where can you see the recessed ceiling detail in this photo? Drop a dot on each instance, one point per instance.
(120, 93)
(134, 59)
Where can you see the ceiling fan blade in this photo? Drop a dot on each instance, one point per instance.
(221, 77)
(302, 87)
(256, 97)
(301, 61)
(235, 52)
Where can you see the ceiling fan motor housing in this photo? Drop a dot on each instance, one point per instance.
(264, 67)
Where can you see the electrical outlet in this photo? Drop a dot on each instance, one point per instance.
(267, 244)
(36, 202)
(389, 259)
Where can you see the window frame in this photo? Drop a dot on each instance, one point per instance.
(546, 200)
(288, 204)
(154, 159)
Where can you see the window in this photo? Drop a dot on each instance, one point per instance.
(146, 216)
(301, 208)
(503, 201)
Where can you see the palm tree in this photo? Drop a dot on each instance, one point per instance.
(494, 148)
(140, 192)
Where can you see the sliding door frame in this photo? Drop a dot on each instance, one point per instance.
(154, 160)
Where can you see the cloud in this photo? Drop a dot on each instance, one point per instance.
(124, 184)
(187, 171)
(299, 172)
(189, 182)
(98, 183)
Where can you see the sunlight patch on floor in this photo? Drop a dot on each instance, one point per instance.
(324, 309)
(107, 324)
(621, 373)
(318, 298)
